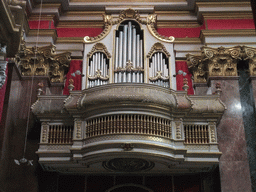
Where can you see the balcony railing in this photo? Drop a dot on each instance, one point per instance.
(196, 134)
(129, 124)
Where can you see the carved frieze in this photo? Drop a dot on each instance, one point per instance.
(43, 61)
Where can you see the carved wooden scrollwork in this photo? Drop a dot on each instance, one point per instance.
(132, 14)
(197, 68)
(43, 61)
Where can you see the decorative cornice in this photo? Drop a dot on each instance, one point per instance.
(43, 61)
(228, 32)
(70, 40)
(220, 62)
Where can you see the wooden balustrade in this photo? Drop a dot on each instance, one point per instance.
(129, 124)
(196, 134)
(60, 134)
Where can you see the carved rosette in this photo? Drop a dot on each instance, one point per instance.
(43, 61)
(128, 165)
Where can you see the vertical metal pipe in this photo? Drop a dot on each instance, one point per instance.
(138, 57)
(134, 53)
(93, 69)
(161, 68)
(150, 71)
(120, 56)
(155, 66)
(141, 60)
(99, 67)
(90, 73)
(102, 68)
(129, 41)
(125, 51)
(116, 58)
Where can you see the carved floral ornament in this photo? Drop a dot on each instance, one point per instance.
(130, 14)
(220, 62)
(43, 61)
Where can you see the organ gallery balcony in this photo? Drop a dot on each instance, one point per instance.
(128, 128)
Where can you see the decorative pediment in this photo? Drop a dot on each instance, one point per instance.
(220, 61)
(158, 47)
(99, 47)
(43, 61)
(130, 14)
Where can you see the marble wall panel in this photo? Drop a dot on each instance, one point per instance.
(234, 166)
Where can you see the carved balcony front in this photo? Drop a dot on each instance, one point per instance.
(126, 128)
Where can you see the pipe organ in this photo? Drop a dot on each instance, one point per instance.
(159, 70)
(129, 50)
(129, 54)
(98, 70)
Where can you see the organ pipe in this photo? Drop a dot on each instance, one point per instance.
(98, 70)
(158, 70)
(129, 58)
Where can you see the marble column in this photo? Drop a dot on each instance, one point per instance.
(234, 166)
